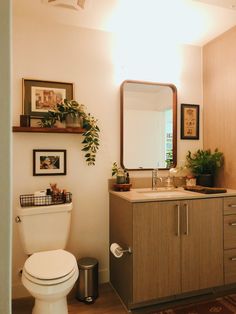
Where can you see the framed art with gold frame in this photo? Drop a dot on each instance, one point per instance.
(40, 96)
(189, 122)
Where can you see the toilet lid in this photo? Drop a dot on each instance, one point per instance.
(50, 264)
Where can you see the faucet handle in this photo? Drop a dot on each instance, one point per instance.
(155, 178)
(154, 171)
(169, 182)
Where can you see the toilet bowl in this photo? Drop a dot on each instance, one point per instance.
(50, 272)
(49, 276)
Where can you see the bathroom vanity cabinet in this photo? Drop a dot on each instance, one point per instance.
(178, 246)
(230, 240)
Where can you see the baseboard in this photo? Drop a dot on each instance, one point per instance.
(103, 275)
(19, 291)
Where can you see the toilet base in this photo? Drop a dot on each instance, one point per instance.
(52, 307)
(50, 298)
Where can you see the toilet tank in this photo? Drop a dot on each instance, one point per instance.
(44, 228)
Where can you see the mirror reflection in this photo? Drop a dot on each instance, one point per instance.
(148, 125)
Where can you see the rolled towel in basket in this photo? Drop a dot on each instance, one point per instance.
(40, 197)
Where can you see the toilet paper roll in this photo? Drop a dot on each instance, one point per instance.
(39, 197)
(116, 250)
(40, 193)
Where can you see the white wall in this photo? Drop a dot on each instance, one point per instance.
(5, 157)
(88, 58)
(189, 91)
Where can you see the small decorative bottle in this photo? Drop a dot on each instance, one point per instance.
(127, 179)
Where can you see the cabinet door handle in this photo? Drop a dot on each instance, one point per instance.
(233, 259)
(186, 226)
(232, 224)
(232, 205)
(178, 221)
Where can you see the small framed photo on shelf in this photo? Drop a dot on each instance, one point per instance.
(49, 162)
(189, 122)
(40, 96)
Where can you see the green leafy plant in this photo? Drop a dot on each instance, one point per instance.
(61, 111)
(90, 135)
(70, 107)
(91, 139)
(115, 169)
(204, 161)
(121, 174)
(169, 159)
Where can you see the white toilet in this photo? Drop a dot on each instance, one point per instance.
(50, 272)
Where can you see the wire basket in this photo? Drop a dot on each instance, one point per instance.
(31, 200)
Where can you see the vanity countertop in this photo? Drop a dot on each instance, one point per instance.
(148, 195)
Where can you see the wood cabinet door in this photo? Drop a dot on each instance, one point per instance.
(229, 232)
(156, 250)
(201, 244)
(121, 222)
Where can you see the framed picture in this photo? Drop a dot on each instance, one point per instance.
(189, 122)
(41, 96)
(49, 162)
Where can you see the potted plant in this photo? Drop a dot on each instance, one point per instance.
(119, 173)
(71, 112)
(169, 159)
(204, 165)
(71, 108)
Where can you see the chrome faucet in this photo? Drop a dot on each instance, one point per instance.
(155, 179)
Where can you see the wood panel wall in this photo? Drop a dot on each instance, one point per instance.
(219, 99)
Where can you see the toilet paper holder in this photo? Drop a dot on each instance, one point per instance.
(128, 250)
(118, 251)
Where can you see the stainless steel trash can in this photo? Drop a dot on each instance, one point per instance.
(87, 289)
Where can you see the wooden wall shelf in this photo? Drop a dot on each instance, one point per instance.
(47, 130)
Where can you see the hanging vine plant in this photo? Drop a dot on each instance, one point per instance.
(91, 139)
(89, 123)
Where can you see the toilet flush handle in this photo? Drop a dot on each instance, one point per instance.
(17, 219)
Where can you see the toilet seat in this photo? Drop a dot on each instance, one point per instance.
(50, 267)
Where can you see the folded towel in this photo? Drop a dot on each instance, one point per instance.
(204, 189)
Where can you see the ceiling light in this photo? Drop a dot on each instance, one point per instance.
(71, 4)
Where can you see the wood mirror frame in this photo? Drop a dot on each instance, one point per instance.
(147, 85)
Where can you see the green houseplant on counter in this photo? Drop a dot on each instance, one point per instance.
(119, 173)
(72, 109)
(122, 181)
(204, 165)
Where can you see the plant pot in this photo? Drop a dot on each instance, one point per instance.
(120, 179)
(73, 121)
(60, 124)
(205, 180)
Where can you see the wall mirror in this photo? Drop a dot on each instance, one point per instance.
(148, 125)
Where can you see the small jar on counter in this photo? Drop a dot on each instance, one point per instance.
(120, 177)
(191, 181)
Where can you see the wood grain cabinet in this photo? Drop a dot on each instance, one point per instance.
(177, 247)
(230, 240)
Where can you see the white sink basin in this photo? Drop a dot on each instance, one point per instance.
(163, 193)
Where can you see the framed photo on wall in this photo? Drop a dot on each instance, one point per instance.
(40, 96)
(49, 162)
(189, 122)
